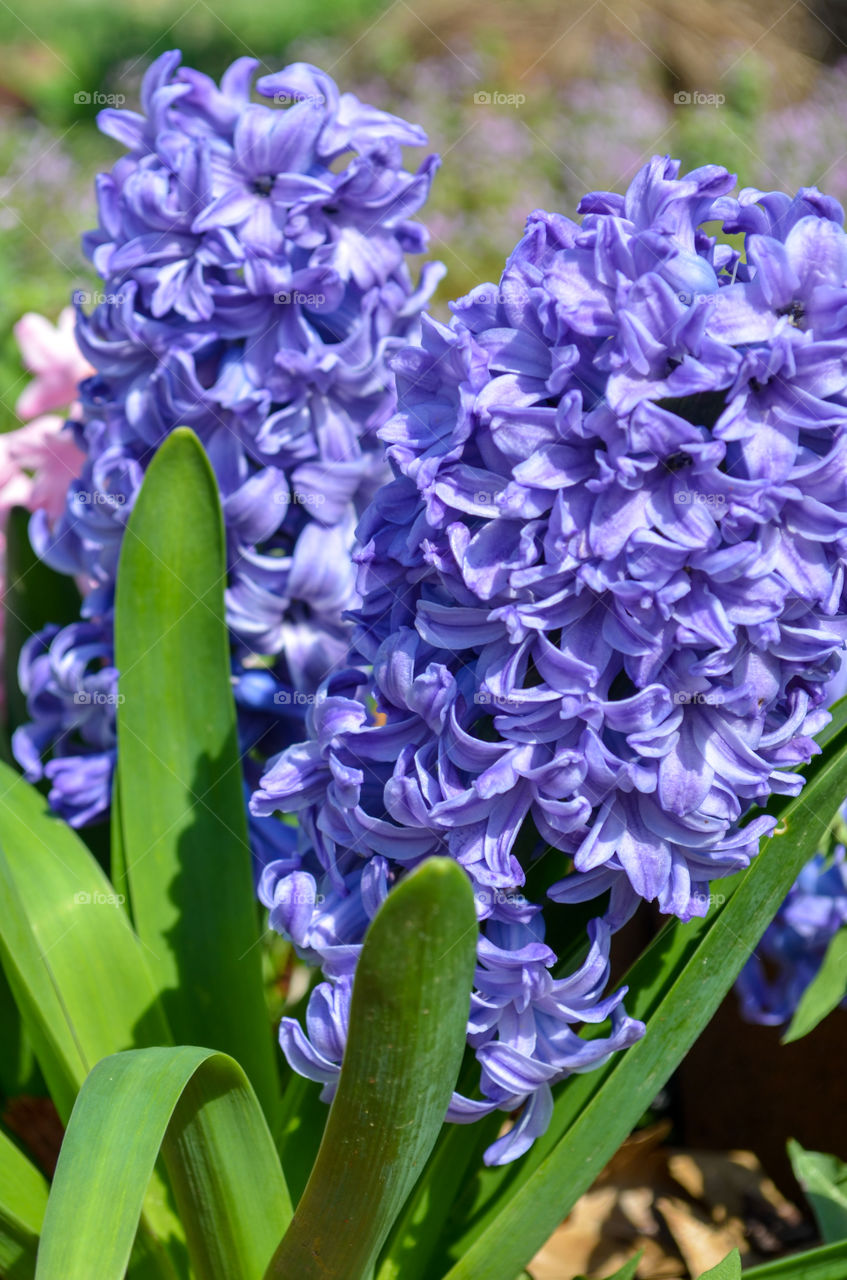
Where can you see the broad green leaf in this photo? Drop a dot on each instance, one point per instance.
(34, 595)
(23, 1198)
(828, 1263)
(413, 1241)
(728, 1269)
(824, 993)
(824, 1182)
(78, 973)
(691, 993)
(405, 1044)
(185, 848)
(200, 1109)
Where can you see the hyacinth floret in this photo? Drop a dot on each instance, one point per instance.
(601, 599)
(255, 282)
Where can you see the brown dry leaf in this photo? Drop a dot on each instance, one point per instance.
(574, 1243)
(702, 1243)
(730, 1180)
(685, 1209)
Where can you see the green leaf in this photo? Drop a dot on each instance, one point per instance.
(185, 848)
(23, 1198)
(405, 1044)
(626, 1272)
(34, 595)
(690, 993)
(828, 1263)
(824, 993)
(824, 1182)
(456, 1159)
(728, 1269)
(18, 1069)
(200, 1109)
(78, 973)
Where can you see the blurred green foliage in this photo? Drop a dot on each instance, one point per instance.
(592, 128)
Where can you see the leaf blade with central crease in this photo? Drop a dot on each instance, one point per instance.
(198, 1107)
(404, 1048)
(184, 847)
(78, 973)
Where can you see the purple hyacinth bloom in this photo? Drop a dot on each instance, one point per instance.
(770, 986)
(602, 597)
(71, 688)
(255, 283)
(772, 983)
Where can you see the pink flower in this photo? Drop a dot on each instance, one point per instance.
(50, 352)
(37, 463)
(39, 460)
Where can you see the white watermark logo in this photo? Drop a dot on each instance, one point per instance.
(693, 497)
(694, 98)
(97, 698)
(83, 98)
(285, 296)
(495, 98)
(284, 698)
(291, 99)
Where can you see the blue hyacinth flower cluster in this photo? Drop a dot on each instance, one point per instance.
(790, 955)
(602, 597)
(255, 282)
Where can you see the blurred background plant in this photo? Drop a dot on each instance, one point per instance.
(568, 97)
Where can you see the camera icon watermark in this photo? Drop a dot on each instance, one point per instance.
(706, 900)
(97, 698)
(491, 296)
(293, 697)
(299, 898)
(495, 98)
(291, 99)
(694, 98)
(97, 498)
(294, 498)
(696, 498)
(499, 701)
(94, 298)
(711, 698)
(699, 299)
(84, 98)
(487, 898)
(296, 296)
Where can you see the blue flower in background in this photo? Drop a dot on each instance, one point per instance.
(255, 283)
(602, 597)
(792, 950)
